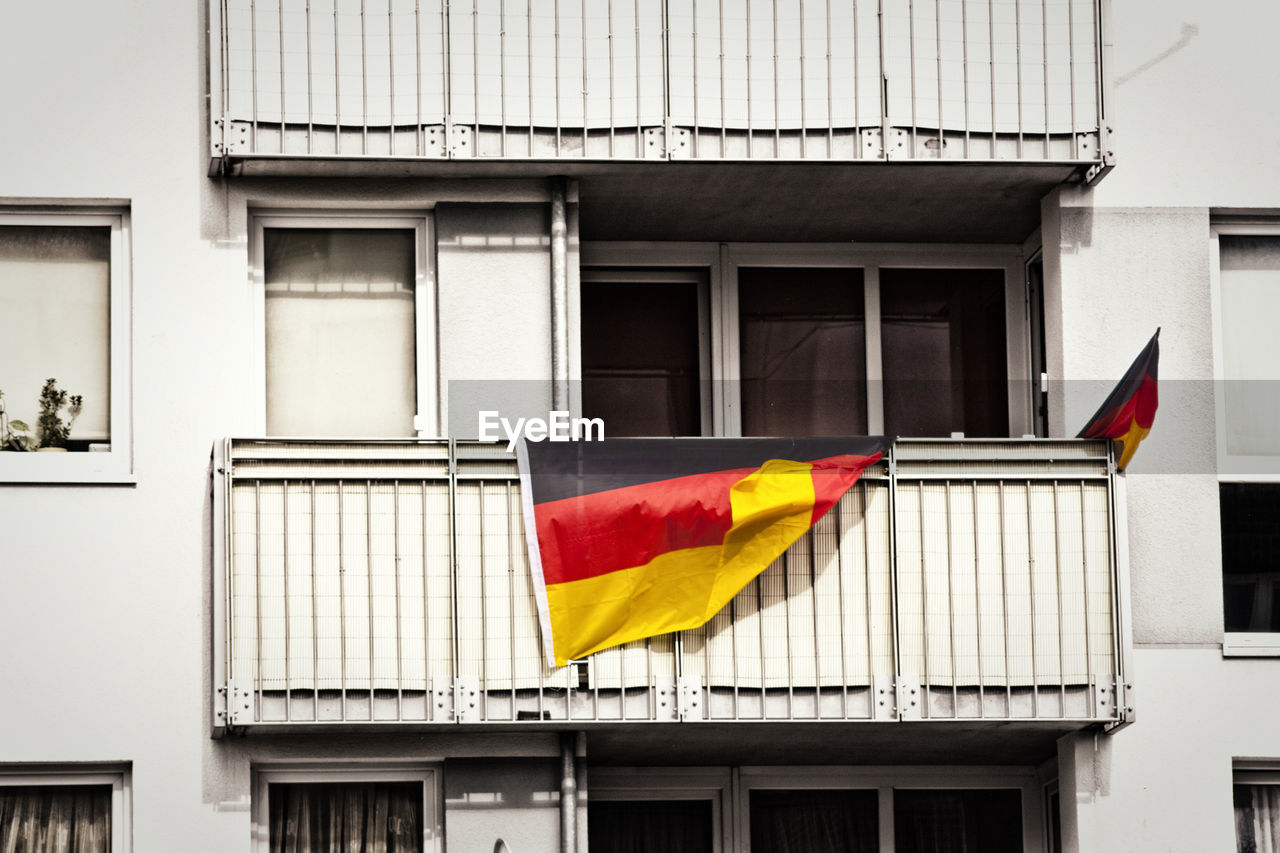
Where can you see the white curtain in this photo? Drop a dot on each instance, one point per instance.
(55, 819)
(1257, 818)
(364, 817)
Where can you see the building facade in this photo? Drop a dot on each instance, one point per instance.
(286, 254)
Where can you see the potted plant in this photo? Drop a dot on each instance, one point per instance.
(14, 434)
(54, 431)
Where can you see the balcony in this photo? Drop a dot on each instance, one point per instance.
(386, 584)
(406, 83)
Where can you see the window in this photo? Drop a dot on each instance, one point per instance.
(805, 341)
(860, 810)
(1246, 292)
(1257, 804)
(348, 326)
(64, 316)
(56, 810)
(317, 810)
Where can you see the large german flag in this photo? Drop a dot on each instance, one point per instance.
(1129, 411)
(629, 538)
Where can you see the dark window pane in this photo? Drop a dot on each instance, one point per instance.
(327, 816)
(37, 817)
(640, 358)
(837, 821)
(647, 826)
(957, 821)
(803, 351)
(1251, 555)
(942, 342)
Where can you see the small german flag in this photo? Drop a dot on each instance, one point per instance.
(630, 538)
(1128, 412)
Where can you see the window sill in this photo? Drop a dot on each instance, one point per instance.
(112, 468)
(1251, 645)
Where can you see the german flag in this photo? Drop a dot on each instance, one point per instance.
(630, 538)
(1128, 412)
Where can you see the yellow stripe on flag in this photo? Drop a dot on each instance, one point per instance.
(772, 507)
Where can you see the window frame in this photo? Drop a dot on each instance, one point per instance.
(426, 420)
(671, 783)
(335, 773)
(118, 779)
(722, 261)
(1236, 468)
(114, 465)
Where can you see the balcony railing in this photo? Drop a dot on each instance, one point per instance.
(387, 582)
(967, 80)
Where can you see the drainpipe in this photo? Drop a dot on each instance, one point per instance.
(559, 297)
(572, 744)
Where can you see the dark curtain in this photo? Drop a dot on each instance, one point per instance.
(837, 821)
(55, 819)
(957, 821)
(650, 826)
(359, 817)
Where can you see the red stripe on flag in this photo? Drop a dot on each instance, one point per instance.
(595, 534)
(832, 477)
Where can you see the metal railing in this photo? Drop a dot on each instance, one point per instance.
(969, 80)
(388, 582)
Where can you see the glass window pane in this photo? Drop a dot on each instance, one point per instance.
(55, 322)
(327, 816)
(645, 826)
(1250, 294)
(56, 817)
(340, 332)
(1250, 555)
(1257, 818)
(640, 357)
(942, 338)
(784, 821)
(803, 362)
(956, 821)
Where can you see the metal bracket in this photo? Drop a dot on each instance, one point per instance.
(466, 699)
(459, 141)
(910, 699)
(1106, 163)
(666, 143)
(895, 145)
(234, 705)
(884, 698)
(668, 699)
(872, 146)
(235, 137)
(435, 140)
(441, 699)
(1125, 713)
(690, 698)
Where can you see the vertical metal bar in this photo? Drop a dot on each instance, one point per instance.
(475, 69)
(831, 108)
(697, 124)
(528, 31)
(1044, 60)
(1091, 685)
(368, 565)
(724, 142)
(583, 25)
(977, 604)
(942, 136)
(1017, 45)
(257, 583)
(991, 63)
(786, 610)
(315, 623)
(342, 597)
(1031, 583)
(420, 149)
(395, 549)
(311, 112)
(911, 47)
(750, 129)
(364, 127)
(1071, 74)
(817, 649)
(924, 608)
(892, 462)
(866, 578)
(964, 43)
(556, 66)
(484, 610)
(760, 637)
(288, 711)
(337, 149)
(951, 610)
(284, 123)
(1004, 608)
(426, 607)
(446, 84)
(612, 123)
(777, 118)
(253, 67)
(512, 549)
(1062, 636)
(455, 609)
(391, 81)
(803, 84)
(502, 91)
(733, 660)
